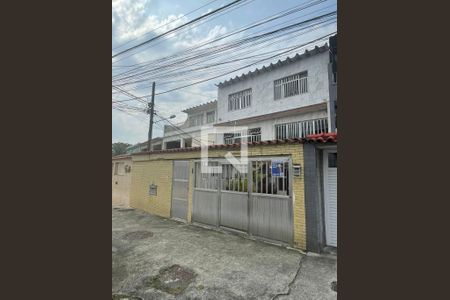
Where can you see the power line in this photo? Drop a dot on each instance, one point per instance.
(286, 30)
(134, 97)
(174, 34)
(161, 119)
(178, 28)
(260, 22)
(246, 66)
(180, 130)
(165, 24)
(184, 70)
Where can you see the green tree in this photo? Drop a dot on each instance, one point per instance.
(119, 148)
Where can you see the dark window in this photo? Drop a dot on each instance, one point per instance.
(332, 160)
(173, 144)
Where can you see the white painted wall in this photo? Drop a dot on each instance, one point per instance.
(193, 132)
(268, 126)
(263, 89)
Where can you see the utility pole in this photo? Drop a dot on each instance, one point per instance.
(151, 110)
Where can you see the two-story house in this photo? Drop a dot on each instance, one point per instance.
(286, 99)
(142, 147)
(188, 133)
(291, 98)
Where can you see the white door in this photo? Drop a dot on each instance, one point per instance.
(330, 193)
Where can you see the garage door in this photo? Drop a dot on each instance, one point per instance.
(258, 202)
(330, 193)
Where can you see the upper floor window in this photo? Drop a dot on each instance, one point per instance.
(291, 85)
(232, 138)
(210, 117)
(196, 120)
(252, 135)
(240, 100)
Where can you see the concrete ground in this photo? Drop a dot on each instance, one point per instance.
(157, 258)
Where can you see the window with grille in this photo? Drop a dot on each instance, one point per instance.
(240, 100)
(254, 135)
(267, 181)
(291, 85)
(301, 129)
(210, 117)
(231, 138)
(196, 120)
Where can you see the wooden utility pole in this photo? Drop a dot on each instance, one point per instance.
(151, 110)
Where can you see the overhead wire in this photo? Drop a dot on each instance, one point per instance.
(178, 28)
(165, 24)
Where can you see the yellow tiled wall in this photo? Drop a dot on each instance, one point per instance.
(157, 168)
(145, 173)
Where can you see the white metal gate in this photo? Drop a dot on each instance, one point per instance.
(205, 199)
(180, 188)
(258, 202)
(330, 193)
(234, 195)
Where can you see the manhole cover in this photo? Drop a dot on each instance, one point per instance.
(173, 280)
(124, 297)
(137, 235)
(334, 286)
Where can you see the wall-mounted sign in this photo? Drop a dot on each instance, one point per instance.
(152, 190)
(297, 170)
(277, 168)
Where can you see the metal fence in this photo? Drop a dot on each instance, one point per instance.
(301, 129)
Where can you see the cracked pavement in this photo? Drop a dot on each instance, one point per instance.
(226, 266)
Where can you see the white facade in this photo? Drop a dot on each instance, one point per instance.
(287, 99)
(265, 111)
(188, 134)
(142, 147)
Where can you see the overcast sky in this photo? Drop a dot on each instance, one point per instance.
(138, 20)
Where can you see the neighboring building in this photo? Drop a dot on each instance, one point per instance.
(188, 134)
(121, 180)
(142, 147)
(288, 99)
(333, 74)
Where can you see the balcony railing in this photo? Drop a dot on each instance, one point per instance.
(301, 129)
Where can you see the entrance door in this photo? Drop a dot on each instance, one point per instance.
(206, 196)
(234, 198)
(271, 200)
(330, 196)
(180, 187)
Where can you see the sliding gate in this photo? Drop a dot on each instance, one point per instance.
(258, 202)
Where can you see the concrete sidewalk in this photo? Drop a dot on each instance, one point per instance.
(157, 258)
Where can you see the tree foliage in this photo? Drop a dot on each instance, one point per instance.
(119, 148)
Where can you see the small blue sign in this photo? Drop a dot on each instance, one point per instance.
(277, 168)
